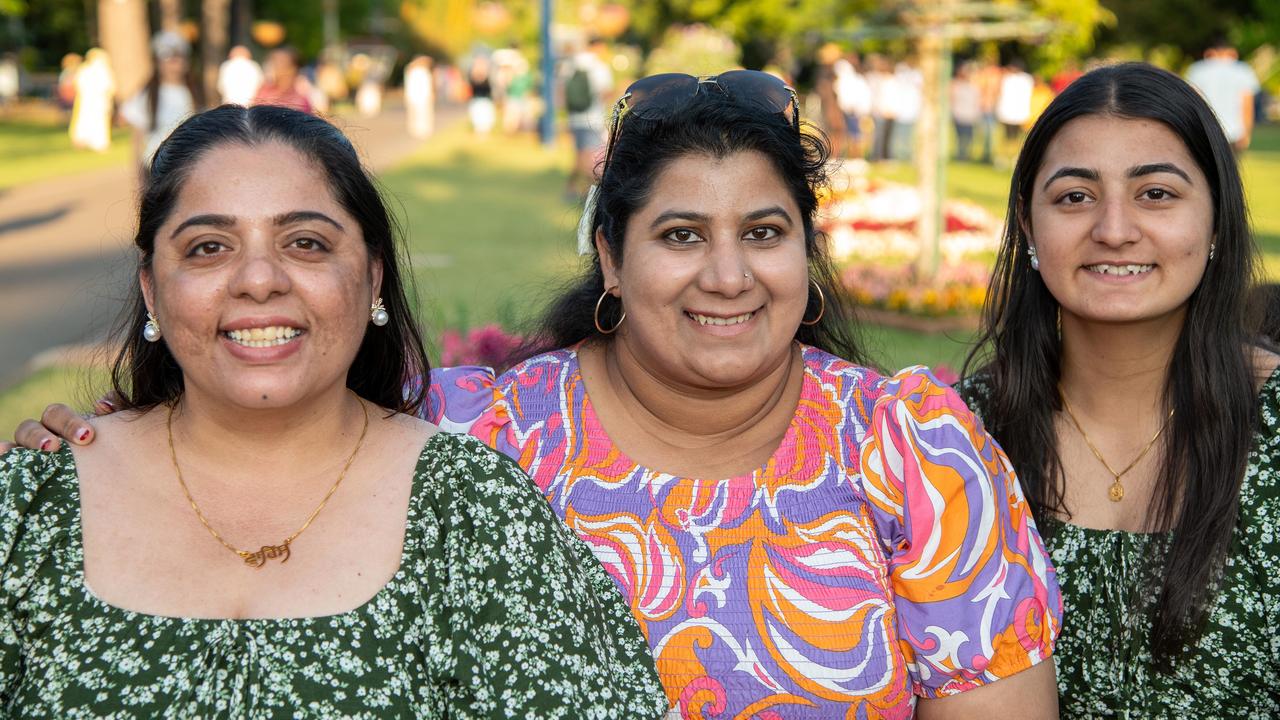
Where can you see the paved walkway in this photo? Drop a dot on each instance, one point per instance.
(66, 259)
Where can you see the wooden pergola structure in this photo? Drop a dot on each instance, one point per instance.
(935, 26)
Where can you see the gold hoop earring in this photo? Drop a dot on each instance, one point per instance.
(822, 304)
(596, 316)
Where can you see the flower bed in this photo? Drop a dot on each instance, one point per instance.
(872, 229)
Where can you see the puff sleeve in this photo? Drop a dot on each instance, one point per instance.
(975, 595)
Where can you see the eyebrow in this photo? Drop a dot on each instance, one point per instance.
(1153, 168)
(1135, 171)
(1079, 172)
(771, 211)
(228, 221)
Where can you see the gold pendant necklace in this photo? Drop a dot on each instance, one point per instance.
(1116, 491)
(266, 552)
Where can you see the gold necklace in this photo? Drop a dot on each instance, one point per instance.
(282, 551)
(1116, 491)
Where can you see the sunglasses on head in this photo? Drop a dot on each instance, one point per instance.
(660, 96)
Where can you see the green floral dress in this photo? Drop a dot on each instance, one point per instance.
(1103, 658)
(496, 611)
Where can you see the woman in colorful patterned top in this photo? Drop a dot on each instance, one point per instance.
(797, 535)
(433, 583)
(1125, 385)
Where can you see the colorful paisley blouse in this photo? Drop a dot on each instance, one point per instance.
(884, 551)
(497, 611)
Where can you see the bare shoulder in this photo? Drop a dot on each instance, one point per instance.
(124, 433)
(400, 430)
(1265, 363)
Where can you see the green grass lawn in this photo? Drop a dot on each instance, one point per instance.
(31, 151)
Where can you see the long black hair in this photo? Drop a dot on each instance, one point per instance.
(1210, 385)
(711, 124)
(145, 374)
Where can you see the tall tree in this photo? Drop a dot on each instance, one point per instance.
(215, 20)
(125, 34)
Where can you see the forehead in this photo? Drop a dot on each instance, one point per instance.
(709, 184)
(1111, 144)
(250, 181)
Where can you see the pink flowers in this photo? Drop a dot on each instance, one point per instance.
(487, 346)
(872, 227)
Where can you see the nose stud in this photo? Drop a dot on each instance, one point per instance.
(747, 275)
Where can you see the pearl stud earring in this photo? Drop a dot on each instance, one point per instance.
(151, 328)
(378, 313)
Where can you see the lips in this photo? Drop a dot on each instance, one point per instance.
(721, 320)
(1119, 270)
(263, 337)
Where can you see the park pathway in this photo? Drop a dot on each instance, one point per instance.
(65, 246)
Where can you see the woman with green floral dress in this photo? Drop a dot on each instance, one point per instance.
(398, 572)
(1125, 385)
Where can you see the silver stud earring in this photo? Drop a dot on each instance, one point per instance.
(151, 328)
(1035, 259)
(378, 313)
(1212, 248)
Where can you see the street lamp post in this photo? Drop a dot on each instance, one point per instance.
(547, 125)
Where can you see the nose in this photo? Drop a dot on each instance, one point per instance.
(260, 274)
(726, 270)
(1115, 224)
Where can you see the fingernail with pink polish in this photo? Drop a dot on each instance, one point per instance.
(47, 444)
(82, 435)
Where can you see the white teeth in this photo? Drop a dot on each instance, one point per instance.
(709, 320)
(1119, 269)
(262, 337)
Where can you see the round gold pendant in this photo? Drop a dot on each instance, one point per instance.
(1116, 493)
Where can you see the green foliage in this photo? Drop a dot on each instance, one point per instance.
(47, 29)
(1078, 22)
(1187, 25)
(693, 49)
(304, 21)
(761, 27)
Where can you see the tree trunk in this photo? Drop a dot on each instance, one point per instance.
(124, 32)
(170, 15)
(931, 132)
(215, 17)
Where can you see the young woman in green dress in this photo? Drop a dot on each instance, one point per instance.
(1125, 383)
(268, 531)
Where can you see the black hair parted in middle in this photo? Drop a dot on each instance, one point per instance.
(1210, 383)
(714, 125)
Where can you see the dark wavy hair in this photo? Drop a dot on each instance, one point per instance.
(145, 374)
(1209, 386)
(713, 124)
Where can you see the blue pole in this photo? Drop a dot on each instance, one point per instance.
(548, 123)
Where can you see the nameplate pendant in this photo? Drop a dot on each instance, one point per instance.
(267, 552)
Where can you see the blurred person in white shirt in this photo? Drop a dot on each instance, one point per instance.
(1229, 86)
(239, 77)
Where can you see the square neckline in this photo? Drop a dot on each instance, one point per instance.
(92, 598)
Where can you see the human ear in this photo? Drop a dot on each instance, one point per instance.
(608, 268)
(375, 279)
(147, 282)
